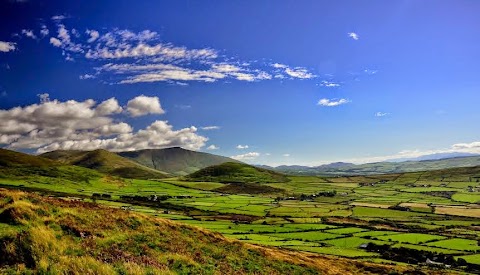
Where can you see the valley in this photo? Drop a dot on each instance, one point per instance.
(425, 219)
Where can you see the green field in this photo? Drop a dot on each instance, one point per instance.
(333, 216)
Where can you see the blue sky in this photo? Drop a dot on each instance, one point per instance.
(271, 82)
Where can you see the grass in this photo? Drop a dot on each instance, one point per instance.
(457, 244)
(412, 238)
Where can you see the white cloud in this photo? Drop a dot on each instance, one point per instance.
(44, 31)
(286, 155)
(59, 17)
(7, 46)
(370, 72)
(94, 35)
(380, 114)
(332, 102)
(326, 83)
(143, 105)
(241, 147)
(247, 156)
(55, 42)
(213, 147)
(87, 76)
(207, 128)
(108, 107)
(86, 125)
(353, 35)
(29, 33)
(279, 66)
(45, 97)
(299, 72)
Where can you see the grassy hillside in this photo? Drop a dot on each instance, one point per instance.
(175, 160)
(105, 162)
(10, 158)
(382, 167)
(232, 172)
(53, 236)
(20, 166)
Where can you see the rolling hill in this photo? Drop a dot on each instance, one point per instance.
(234, 172)
(105, 162)
(175, 160)
(16, 165)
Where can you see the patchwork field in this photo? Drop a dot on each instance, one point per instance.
(337, 216)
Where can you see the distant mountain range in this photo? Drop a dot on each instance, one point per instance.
(436, 156)
(424, 163)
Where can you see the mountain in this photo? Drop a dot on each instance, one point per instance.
(234, 172)
(437, 156)
(105, 162)
(175, 160)
(381, 167)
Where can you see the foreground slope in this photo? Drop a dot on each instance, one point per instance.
(105, 162)
(54, 236)
(176, 160)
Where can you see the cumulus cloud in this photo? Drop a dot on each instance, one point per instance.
(208, 128)
(86, 125)
(213, 147)
(353, 35)
(7, 46)
(332, 102)
(247, 156)
(241, 147)
(143, 105)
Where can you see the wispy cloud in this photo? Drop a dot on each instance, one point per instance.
(381, 114)
(29, 33)
(247, 156)
(353, 35)
(208, 128)
(326, 83)
(286, 155)
(242, 147)
(332, 102)
(87, 76)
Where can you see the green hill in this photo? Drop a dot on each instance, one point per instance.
(10, 158)
(234, 172)
(42, 235)
(105, 162)
(176, 160)
(16, 165)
